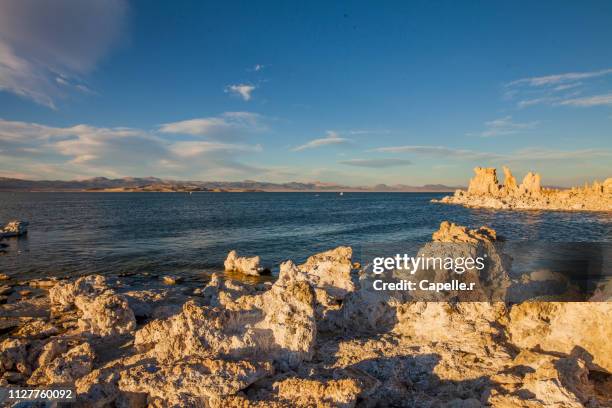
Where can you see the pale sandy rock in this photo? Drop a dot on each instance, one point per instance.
(245, 265)
(571, 328)
(4, 276)
(221, 292)
(542, 380)
(100, 388)
(451, 232)
(484, 182)
(14, 356)
(36, 329)
(199, 378)
(102, 312)
(65, 368)
(329, 271)
(510, 187)
(531, 185)
(14, 229)
(148, 302)
(278, 324)
(43, 283)
(63, 294)
(484, 192)
(171, 279)
(106, 314)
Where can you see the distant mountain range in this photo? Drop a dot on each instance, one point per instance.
(144, 184)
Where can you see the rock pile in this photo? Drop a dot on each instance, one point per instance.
(485, 191)
(319, 336)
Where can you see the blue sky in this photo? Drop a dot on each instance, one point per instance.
(353, 92)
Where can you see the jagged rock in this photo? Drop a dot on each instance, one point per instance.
(541, 380)
(36, 329)
(510, 187)
(13, 356)
(200, 378)
(63, 294)
(240, 345)
(14, 229)
(566, 328)
(329, 271)
(278, 324)
(64, 369)
(531, 185)
(104, 315)
(484, 182)
(245, 265)
(451, 232)
(483, 191)
(103, 312)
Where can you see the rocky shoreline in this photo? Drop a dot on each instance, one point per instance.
(319, 336)
(484, 191)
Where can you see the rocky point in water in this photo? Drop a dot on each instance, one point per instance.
(319, 336)
(484, 191)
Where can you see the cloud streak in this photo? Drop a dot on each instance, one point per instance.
(559, 78)
(588, 101)
(559, 90)
(85, 150)
(332, 139)
(42, 63)
(229, 125)
(532, 154)
(506, 126)
(376, 163)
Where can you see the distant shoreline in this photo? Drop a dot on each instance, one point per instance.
(227, 191)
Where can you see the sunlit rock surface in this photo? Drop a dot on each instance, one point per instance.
(319, 336)
(484, 191)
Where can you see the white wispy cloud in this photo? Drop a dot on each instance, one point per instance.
(332, 138)
(506, 126)
(438, 151)
(242, 90)
(258, 67)
(560, 78)
(528, 155)
(557, 90)
(229, 125)
(197, 148)
(376, 163)
(587, 101)
(85, 150)
(38, 61)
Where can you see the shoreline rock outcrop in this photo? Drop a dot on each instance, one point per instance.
(245, 265)
(319, 336)
(485, 191)
(14, 229)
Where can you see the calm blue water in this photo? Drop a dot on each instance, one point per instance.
(108, 233)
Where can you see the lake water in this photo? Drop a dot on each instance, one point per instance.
(175, 233)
